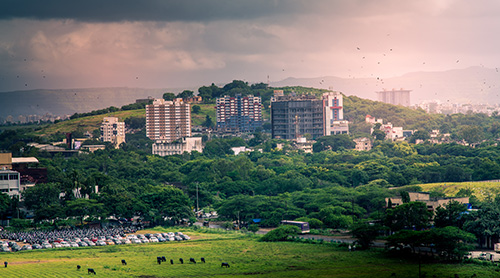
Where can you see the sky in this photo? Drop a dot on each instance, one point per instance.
(60, 44)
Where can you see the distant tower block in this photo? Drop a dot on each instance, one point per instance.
(396, 97)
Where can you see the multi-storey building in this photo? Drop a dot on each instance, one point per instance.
(187, 144)
(10, 182)
(396, 97)
(239, 113)
(112, 131)
(168, 120)
(333, 113)
(294, 116)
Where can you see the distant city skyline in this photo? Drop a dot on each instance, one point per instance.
(58, 44)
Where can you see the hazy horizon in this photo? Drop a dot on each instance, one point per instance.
(57, 44)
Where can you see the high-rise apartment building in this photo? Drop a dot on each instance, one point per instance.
(294, 116)
(112, 131)
(168, 120)
(333, 112)
(396, 97)
(239, 113)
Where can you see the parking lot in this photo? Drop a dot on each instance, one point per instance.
(12, 242)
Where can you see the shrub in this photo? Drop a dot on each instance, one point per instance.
(281, 233)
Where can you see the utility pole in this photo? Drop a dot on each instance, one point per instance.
(197, 204)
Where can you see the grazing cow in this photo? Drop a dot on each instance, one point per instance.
(78, 267)
(181, 260)
(225, 264)
(192, 260)
(171, 261)
(203, 260)
(91, 271)
(163, 259)
(5, 263)
(158, 260)
(124, 262)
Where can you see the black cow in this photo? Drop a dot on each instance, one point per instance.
(124, 262)
(171, 261)
(158, 260)
(181, 260)
(163, 259)
(5, 263)
(225, 264)
(203, 260)
(78, 267)
(91, 271)
(192, 260)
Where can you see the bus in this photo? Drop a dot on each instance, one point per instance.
(303, 226)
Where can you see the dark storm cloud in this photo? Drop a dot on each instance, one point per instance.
(150, 10)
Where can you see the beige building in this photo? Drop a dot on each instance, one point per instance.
(112, 131)
(168, 121)
(424, 197)
(187, 144)
(363, 144)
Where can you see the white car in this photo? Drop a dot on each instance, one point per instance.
(100, 243)
(153, 239)
(46, 246)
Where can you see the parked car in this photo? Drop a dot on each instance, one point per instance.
(5, 249)
(82, 244)
(36, 246)
(26, 247)
(100, 243)
(74, 244)
(46, 245)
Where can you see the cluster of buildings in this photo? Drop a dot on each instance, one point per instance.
(18, 173)
(436, 107)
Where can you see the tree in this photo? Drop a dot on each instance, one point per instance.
(334, 143)
(378, 134)
(81, 208)
(169, 202)
(217, 148)
(208, 122)
(365, 233)
(4, 204)
(196, 109)
(412, 215)
(169, 96)
(452, 214)
(41, 195)
(471, 134)
(281, 233)
(185, 94)
(451, 241)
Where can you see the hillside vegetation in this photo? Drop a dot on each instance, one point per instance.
(89, 123)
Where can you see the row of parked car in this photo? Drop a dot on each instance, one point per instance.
(8, 246)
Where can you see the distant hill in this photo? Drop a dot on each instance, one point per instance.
(470, 85)
(68, 102)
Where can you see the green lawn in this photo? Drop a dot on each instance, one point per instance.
(482, 190)
(246, 256)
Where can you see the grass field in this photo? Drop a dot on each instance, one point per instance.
(482, 190)
(246, 255)
(89, 123)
